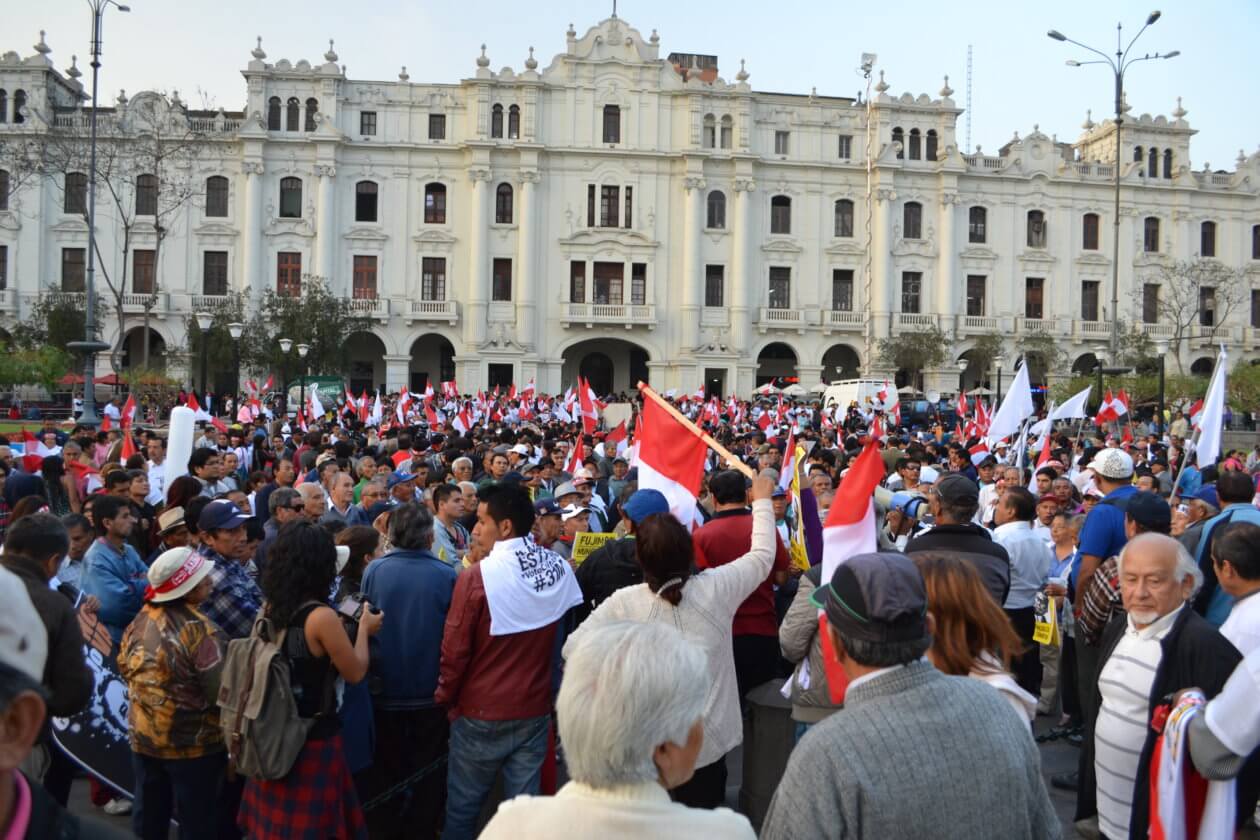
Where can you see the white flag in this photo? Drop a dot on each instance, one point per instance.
(1208, 447)
(1074, 407)
(312, 398)
(1017, 406)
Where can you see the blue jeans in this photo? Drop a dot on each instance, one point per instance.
(479, 750)
(190, 787)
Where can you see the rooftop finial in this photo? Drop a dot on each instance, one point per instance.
(1180, 112)
(402, 74)
(74, 71)
(570, 32)
(483, 60)
(42, 47)
(742, 75)
(257, 52)
(1089, 120)
(947, 91)
(331, 55)
(655, 39)
(531, 63)
(882, 86)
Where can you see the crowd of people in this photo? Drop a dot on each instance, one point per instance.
(457, 662)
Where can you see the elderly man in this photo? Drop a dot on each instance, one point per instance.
(341, 507)
(1031, 559)
(284, 505)
(401, 487)
(1199, 508)
(1160, 646)
(574, 520)
(461, 469)
(547, 523)
(866, 771)
(314, 504)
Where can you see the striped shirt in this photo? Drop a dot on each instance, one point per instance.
(1125, 684)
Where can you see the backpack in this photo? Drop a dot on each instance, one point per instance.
(258, 712)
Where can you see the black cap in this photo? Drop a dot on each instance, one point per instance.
(956, 488)
(1149, 511)
(878, 598)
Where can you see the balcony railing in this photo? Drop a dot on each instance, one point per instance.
(208, 303)
(843, 318)
(770, 317)
(8, 300)
(989, 162)
(1158, 330)
(979, 323)
(433, 310)
(377, 307)
(915, 320)
(1045, 326)
(157, 304)
(78, 299)
(629, 315)
(1093, 329)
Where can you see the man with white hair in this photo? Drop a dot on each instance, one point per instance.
(1158, 647)
(653, 683)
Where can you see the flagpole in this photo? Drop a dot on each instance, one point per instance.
(733, 462)
(1189, 448)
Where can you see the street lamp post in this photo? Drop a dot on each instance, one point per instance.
(303, 349)
(236, 330)
(90, 345)
(286, 344)
(998, 362)
(204, 321)
(962, 370)
(1100, 357)
(1118, 65)
(1161, 347)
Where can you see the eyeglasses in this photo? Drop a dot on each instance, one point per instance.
(298, 506)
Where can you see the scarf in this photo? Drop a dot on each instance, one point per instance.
(527, 586)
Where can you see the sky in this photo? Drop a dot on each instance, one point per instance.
(1019, 78)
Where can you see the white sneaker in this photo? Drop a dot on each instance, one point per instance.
(117, 807)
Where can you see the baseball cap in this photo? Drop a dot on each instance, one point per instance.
(566, 489)
(513, 477)
(23, 639)
(644, 503)
(520, 449)
(1207, 495)
(878, 597)
(177, 572)
(398, 477)
(1149, 511)
(220, 515)
(778, 493)
(1048, 497)
(1115, 464)
(956, 488)
(170, 519)
(929, 475)
(546, 507)
(571, 511)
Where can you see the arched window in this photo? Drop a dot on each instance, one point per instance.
(1089, 232)
(365, 201)
(912, 220)
(503, 204)
(4, 189)
(1150, 235)
(844, 218)
(312, 108)
(1255, 242)
(709, 139)
(217, 196)
(1137, 154)
(899, 137)
(19, 104)
(76, 193)
(612, 124)
(514, 122)
(914, 144)
(435, 204)
(1152, 165)
(1036, 229)
(146, 195)
(292, 113)
(290, 198)
(4, 106)
(929, 153)
(780, 214)
(496, 121)
(1168, 163)
(727, 130)
(273, 114)
(716, 206)
(1207, 239)
(977, 224)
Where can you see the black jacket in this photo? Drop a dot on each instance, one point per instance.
(66, 675)
(1194, 654)
(974, 542)
(610, 567)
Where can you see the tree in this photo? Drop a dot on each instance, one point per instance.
(1045, 349)
(40, 366)
(54, 320)
(220, 345)
(913, 352)
(1196, 293)
(1137, 350)
(984, 352)
(1243, 386)
(316, 317)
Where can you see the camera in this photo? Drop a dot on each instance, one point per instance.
(351, 607)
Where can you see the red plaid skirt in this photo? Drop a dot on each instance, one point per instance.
(315, 801)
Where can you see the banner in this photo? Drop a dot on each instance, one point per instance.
(587, 542)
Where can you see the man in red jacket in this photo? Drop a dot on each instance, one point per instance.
(498, 652)
(727, 537)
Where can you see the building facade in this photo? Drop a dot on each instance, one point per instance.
(627, 215)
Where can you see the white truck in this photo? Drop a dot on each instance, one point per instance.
(862, 391)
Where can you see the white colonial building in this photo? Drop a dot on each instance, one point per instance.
(633, 216)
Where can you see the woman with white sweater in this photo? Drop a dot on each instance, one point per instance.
(702, 606)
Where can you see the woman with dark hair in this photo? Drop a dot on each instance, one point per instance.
(26, 506)
(299, 574)
(63, 498)
(702, 605)
(182, 490)
(364, 545)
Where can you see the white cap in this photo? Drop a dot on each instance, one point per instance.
(928, 475)
(23, 639)
(520, 449)
(175, 573)
(343, 557)
(571, 511)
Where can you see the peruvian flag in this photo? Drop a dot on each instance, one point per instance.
(528, 391)
(363, 407)
(106, 423)
(34, 452)
(317, 407)
(1121, 403)
(671, 459)
(1043, 458)
(129, 411)
(428, 389)
(1196, 413)
(1111, 409)
(462, 422)
(401, 408)
(978, 453)
(849, 530)
(128, 445)
(962, 403)
(198, 412)
(1126, 436)
(271, 381)
(575, 460)
(617, 437)
(450, 390)
(430, 415)
(586, 402)
(982, 418)
(876, 431)
(219, 424)
(789, 462)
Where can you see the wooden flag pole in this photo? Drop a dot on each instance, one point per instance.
(733, 462)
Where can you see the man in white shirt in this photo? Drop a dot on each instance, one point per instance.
(1236, 560)
(990, 493)
(1031, 559)
(112, 411)
(156, 450)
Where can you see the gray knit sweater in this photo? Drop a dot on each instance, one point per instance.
(915, 753)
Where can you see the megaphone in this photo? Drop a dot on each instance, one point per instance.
(913, 505)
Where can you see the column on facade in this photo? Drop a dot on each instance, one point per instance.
(883, 287)
(475, 320)
(946, 276)
(692, 225)
(252, 250)
(527, 308)
(326, 232)
(397, 372)
(741, 264)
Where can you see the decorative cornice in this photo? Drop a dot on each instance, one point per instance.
(250, 167)
(325, 170)
(693, 183)
(745, 185)
(479, 174)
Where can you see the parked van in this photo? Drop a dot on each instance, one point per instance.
(848, 391)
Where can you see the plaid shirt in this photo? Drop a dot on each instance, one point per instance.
(236, 598)
(1100, 601)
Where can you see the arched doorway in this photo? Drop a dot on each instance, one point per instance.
(840, 362)
(775, 361)
(974, 376)
(1085, 364)
(1202, 366)
(611, 365)
(432, 360)
(366, 353)
(133, 351)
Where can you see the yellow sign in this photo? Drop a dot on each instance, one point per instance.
(1046, 628)
(586, 542)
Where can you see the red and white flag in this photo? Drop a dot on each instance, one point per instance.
(377, 413)
(671, 459)
(789, 462)
(400, 409)
(199, 414)
(528, 391)
(129, 411)
(1196, 413)
(1110, 409)
(462, 422)
(586, 403)
(617, 437)
(978, 453)
(271, 381)
(575, 460)
(962, 403)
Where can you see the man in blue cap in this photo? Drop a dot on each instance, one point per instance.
(234, 601)
(613, 565)
(547, 522)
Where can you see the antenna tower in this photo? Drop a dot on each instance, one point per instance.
(969, 99)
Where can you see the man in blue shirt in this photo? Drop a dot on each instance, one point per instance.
(235, 599)
(1235, 491)
(112, 569)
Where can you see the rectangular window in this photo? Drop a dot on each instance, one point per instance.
(911, 289)
(501, 279)
(142, 272)
(638, 284)
(590, 205)
(781, 139)
(842, 289)
(73, 266)
(433, 278)
(629, 207)
(1255, 242)
(714, 280)
(612, 124)
(977, 222)
(1207, 239)
(726, 134)
(367, 123)
(1207, 306)
(289, 274)
(1089, 300)
(437, 126)
(214, 273)
(4, 266)
(1150, 235)
(846, 146)
(780, 287)
(710, 136)
(577, 281)
(608, 279)
(1089, 232)
(608, 200)
(975, 294)
(1034, 297)
(1150, 303)
(1255, 304)
(364, 287)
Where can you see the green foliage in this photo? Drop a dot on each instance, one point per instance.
(317, 318)
(1045, 349)
(54, 320)
(983, 353)
(39, 366)
(1142, 389)
(913, 352)
(1137, 350)
(1243, 387)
